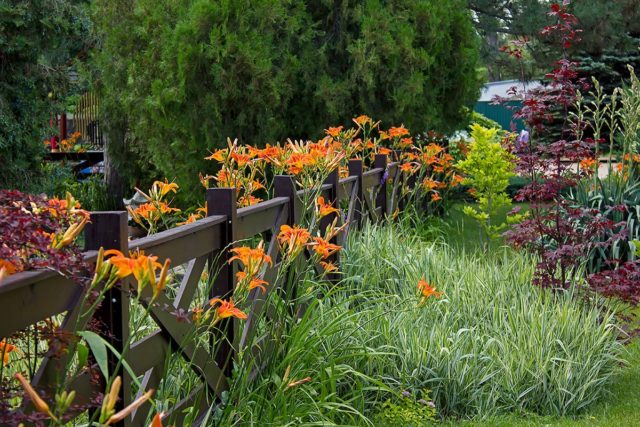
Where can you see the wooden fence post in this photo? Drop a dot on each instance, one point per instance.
(109, 230)
(222, 201)
(284, 186)
(355, 169)
(380, 161)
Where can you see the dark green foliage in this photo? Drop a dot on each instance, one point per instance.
(610, 67)
(608, 27)
(57, 179)
(187, 75)
(38, 42)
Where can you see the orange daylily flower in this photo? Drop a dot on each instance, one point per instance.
(190, 219)
(398, 132)
(218, 155)
(298, 162)
(226, 309)
(323, 209)
(406, 167)
(270, 151)
(362, 120)
(427, 291)
(293, 239)
(333, 132)
(456, 179)
(405, 142)
(241, 159)
(588, 164)
(384, 150)
(430, 184)
(151, 212)
(254, 282)
(324, 248)
(252, 259)
(250, 200)
(142, 267)
(163, 188)
(435, 197)
(5, 350)
(328, 267)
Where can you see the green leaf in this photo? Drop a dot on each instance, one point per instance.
(102, 345)
(99, 349)
(83, 354)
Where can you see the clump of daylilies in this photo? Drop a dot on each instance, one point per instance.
(248, 168)
(424, 165)
(156, 213)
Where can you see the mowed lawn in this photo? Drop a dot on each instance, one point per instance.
(620, 409)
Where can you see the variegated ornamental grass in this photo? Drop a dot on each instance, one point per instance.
(492, 343)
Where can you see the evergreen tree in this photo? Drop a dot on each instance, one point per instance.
(187, 75)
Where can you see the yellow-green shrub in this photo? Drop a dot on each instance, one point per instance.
(488, 167)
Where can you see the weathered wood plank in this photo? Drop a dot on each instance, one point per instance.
(372, 178)
(190, 282)
(259, 218)
(184, 243)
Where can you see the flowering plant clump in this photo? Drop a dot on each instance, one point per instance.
(111, 267)
(247, 168)
(429, 174)
(71, 144)
(156, 213)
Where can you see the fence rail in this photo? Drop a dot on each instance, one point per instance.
(29, 297)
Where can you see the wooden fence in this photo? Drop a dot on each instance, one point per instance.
(30, 297)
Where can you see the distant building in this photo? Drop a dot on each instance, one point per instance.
(503, 113)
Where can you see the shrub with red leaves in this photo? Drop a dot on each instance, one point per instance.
(622, 282)
(562, 234)
(28, 223)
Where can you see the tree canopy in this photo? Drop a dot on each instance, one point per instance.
(183, 76)
(608, 26)
(39, 41)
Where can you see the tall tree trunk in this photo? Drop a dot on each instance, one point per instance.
(114, 156)
(492, 68)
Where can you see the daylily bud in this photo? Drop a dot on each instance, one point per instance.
(119, 416)
(100, 260)
(38, 403)
(162, 281)
(110, 400)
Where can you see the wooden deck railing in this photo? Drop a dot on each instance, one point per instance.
(29, 297)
